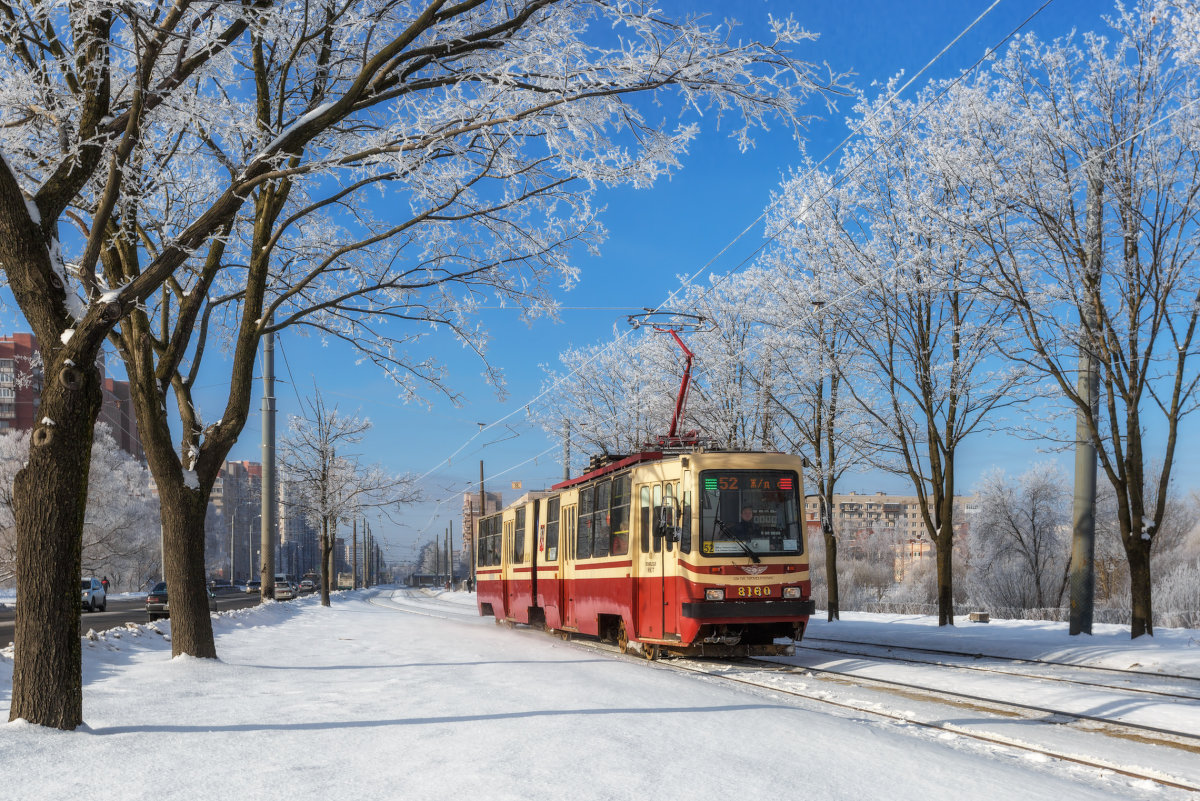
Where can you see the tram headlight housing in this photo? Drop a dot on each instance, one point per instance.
(715, 594)
(791, 592)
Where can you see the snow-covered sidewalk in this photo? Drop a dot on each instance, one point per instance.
(373, 699)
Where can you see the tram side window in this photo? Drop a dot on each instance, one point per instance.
(519, 538)
(600, 519)
(619, 519)
(489, 542)
(583, 540)
(666, 515)
(497, 539)
(552, 507)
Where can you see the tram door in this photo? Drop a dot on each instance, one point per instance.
(518, 575)
(570, 576)
(650, 568)
(509, 528)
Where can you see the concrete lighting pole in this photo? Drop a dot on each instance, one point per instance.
(267, 568)
(1083, 541)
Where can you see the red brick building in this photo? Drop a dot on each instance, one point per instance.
(20, 381)
(21, 389)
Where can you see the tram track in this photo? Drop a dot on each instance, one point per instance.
(1169, 737)
(1187, 742)
(872, 650)
(749, 673)
(1097, 685)
(741, 672)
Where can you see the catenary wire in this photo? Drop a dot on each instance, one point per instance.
(707, 265)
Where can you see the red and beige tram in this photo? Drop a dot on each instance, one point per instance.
(698, 553)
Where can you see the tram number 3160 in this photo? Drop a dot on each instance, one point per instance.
(753, 592)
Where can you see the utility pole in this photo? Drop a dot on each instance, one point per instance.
(1083, 540)
(267, 535)
(450, 553)
(354, 552)
(478, 527)
(368, 545)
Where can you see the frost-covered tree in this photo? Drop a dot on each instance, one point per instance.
(891, 240)
(328, 482)
(13, 451)
(730, 400)
(245, 167)
(809, 338)
(120, 531)
(1019, 541)
(613, 395)
(1120, 110)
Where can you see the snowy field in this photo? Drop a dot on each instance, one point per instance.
(419, 698)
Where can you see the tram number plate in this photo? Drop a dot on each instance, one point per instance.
(750, 592)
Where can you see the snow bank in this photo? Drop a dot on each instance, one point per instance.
(380, 697)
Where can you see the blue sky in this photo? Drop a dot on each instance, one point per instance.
(655, 235)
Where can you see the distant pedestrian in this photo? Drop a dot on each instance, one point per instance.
(104, 584)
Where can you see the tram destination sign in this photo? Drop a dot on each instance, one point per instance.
(748, 481)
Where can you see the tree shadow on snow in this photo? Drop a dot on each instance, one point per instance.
(428, 721)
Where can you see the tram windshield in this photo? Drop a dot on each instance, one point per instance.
(750, 513)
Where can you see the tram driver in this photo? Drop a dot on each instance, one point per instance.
(746, 528)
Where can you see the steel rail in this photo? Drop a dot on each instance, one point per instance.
(957, 730)
(1016, 674)
(981, 655)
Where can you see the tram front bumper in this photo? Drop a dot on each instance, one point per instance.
(713, 610)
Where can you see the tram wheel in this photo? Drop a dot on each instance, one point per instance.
(650, 651)
(622, 638)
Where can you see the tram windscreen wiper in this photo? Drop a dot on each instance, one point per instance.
(749, 551)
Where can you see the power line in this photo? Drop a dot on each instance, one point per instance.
(771, 237)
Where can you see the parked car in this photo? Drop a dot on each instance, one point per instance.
(156, 602)
(307, 585)
(284, 591)
(157, 605)
(94, 598)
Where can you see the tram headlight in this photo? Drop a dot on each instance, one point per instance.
(791, 592)
(714, 594)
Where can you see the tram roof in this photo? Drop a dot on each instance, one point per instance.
(612, 467)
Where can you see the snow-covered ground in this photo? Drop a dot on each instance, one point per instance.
(394, 697)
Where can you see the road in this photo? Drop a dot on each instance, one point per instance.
(121, 611)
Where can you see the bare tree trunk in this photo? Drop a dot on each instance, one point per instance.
(832, 603)
(49, 502)
(945, 548)
(182, 516)
(326, 561)
(1137, 550)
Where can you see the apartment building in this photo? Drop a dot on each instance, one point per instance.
(21, 389)
(20, 381)
(471, 515)
(857, 517)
